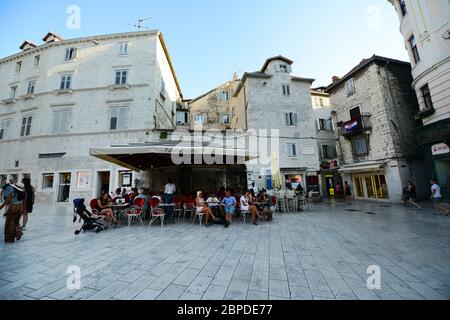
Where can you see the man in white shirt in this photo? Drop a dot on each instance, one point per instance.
(436, 196)
(212, 199)
(169, 191)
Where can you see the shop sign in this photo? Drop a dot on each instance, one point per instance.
(439, 149)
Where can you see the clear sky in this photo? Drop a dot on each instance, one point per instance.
(209, 40)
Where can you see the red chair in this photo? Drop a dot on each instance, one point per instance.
(136, 211)
(188, 206)
(154, 202)
(157, 213)
(94, 207)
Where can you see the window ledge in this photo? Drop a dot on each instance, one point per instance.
(29, 96)
(119, 87)
(63, 91)
(425, 113)
(9, 101)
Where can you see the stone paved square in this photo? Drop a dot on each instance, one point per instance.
(323, 254)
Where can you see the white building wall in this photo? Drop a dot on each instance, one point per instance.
(90, 100)
(429, 22)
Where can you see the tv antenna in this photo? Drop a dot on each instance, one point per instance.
(446, 35)
(140, 24)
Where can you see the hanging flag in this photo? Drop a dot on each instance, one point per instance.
(351, 125)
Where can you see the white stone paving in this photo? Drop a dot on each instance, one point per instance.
(323, 254)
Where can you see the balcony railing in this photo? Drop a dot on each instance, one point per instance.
(357, 125)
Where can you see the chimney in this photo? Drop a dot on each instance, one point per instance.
(26, 45)
(335, 78)
(52, 37)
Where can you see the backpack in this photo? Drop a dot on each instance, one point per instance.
(19, 195)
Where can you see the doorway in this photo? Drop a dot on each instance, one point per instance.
(64, 187)
(103, 182)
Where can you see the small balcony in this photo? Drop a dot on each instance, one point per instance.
(358, 125)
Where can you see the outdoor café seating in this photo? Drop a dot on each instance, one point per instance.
(136, 211)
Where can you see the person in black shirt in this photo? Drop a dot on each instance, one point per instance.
(411, 195)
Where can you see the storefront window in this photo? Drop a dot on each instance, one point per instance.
(370, 186)
(359, 187)
(376, 187)
(382, 189)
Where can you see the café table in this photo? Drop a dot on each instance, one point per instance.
(217, 208)
(120, 209)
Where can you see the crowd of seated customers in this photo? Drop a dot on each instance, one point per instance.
(220, 205)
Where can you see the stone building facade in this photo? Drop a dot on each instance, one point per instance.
(374, 108)
(61, 98)
(274, 99)
(326, 141)
(425, 26)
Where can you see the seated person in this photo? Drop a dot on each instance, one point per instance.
(230, 207)
(103, 205)
(213, 203)
(246, 204)
(213, 199)
(202, 207)
(268, 207)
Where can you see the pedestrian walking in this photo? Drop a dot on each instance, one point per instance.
(348, 193)
(6, 190)
(16, 206)
(436, 196)
(30, 196)
(411, 195)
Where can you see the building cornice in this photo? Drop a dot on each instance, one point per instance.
(49, 45)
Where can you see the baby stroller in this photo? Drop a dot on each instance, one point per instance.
(90, 222)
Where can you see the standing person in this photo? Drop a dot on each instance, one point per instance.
(16, 206)
(169, 192)
(30, 193)
(436, 196)
(230, 207)
(6, 190)
(348, 193)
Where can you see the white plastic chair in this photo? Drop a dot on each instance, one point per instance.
(198, 214)
(244, 214)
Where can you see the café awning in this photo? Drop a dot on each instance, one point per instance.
(148, 156)
(364, 167)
